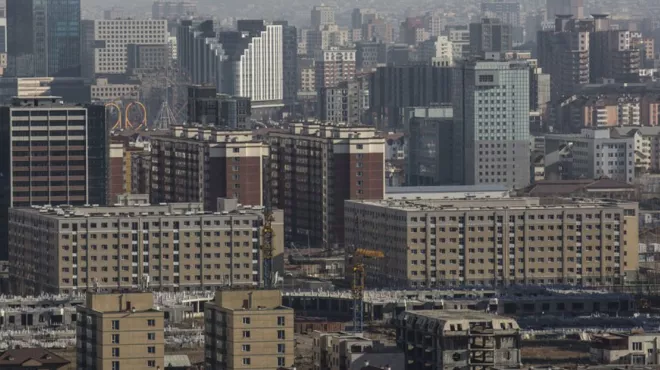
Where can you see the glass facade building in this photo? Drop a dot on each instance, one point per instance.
(43, 38)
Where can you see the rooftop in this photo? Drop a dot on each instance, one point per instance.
(472, 204)
(456, 315)
(31, 357)
(568, 187)
(162, 209)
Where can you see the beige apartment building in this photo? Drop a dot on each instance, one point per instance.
(495, 242)
(167, 247)
(248, 329)
(120, 331)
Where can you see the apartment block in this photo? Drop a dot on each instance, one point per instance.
(322, 15)
(440, 339)
(340, 350)
(647, 145)
(201, 164)
(591, 154)
(105, 43)
(564, 54)
(248, 330)
(490, 35)
(315, 168)
(51, 153)
(120, 330)
(207, 107)
(495, 242)
(431, 146)
(334, 66)
(343, 103)
(169, 247)
(631, 349)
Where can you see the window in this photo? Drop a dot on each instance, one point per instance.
(246, 360)
(280, 334)
(115, 365)
(281, 361)
(486, 78)
(637, 346)
(115, 324)
(246, 334)
(246, 320)
(281, 321)
(115, 352)
(151, 363)
(151, 322)
(115, 338)
(151, 336)
(246, 348)
(151, 349)
(281, 348)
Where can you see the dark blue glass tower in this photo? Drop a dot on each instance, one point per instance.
(43, 38)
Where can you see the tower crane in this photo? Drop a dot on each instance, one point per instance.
(359, 256)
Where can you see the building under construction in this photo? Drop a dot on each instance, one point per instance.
(460, 340)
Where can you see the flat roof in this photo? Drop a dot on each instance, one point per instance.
(454, 315)
(445, 189)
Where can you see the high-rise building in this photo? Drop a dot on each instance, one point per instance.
(173, 10)
(368, 55)
(43, 38)
(573, 8)
(121, 330)
(434, 23)
(342, 103)
(315, 168)
(437, 50)
(326, 37)
(51, 153)
(495, 241)
(431, 145)
(253, 66)
(392, 88)
(3, 34)
(334, 66)
(362, 16)
(177, 247)
(207, 107)
(202, 164)
(495, 145)
(459, 36)
(322, 15)
(105, 43)
(199, 52)
(564, 54)
(507, 12)
(613, 56)
(289, 62)
(490, 35)
(413, 31)
(248, 330)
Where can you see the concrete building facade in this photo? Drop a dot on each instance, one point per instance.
(458, 340)
(201, 164)
(105, 43)
(334, 66)
(173, 247)
(496, 242)
(315, 168)
(491, 114)
(51, 153)
(122, 330)
(248, 330)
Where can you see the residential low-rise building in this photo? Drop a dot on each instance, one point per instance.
(626, 349)
(439, 339)
(248, 329)
(341, 350)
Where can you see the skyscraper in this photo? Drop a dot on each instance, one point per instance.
(43, 38)
(490, 35)
(491, 114)
(565, 7)
(322, 15)
(51, 153)
(508, 12)
(289, 62)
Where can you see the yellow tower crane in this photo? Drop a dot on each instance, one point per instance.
(359, 256)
